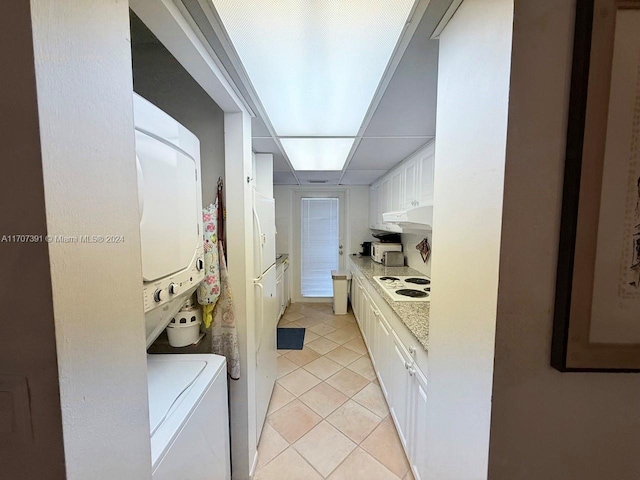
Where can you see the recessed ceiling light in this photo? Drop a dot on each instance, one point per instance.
(317, 153)
(315, 64)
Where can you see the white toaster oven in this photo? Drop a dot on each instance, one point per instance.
(378, 249)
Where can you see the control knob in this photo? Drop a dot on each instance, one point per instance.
(173, 288)
(199, 264)
(157, 295)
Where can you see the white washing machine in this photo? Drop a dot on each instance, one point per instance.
(189, 419)
(188, 401)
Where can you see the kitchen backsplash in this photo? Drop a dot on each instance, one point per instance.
(412, 256)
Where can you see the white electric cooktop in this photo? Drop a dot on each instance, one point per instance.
(408, 288)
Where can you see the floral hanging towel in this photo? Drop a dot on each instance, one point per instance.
(224, 336)
(209, 289)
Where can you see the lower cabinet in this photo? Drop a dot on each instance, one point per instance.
(402, 382)
(279, 294)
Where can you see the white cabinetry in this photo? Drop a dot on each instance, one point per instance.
(425, 175)
(283, 296)
(395, 191)
(279, 294)
(402, 381)
(408, 185)
(374, 206)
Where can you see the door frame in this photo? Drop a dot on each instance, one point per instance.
(294, 233)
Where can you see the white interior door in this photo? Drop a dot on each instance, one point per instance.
(319, 242)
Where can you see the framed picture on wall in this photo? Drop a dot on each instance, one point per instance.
(597, 311)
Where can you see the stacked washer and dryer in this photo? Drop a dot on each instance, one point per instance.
(188, 403)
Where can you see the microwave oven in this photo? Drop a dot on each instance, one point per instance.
(378, 249)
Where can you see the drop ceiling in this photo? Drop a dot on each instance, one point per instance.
(394, 118)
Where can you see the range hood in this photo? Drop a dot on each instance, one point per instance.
(418, 218)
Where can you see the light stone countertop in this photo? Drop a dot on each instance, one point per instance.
(415, 315)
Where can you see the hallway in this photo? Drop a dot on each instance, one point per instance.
(327, 417)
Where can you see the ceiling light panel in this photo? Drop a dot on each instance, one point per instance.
(315, 64)
(315, 154)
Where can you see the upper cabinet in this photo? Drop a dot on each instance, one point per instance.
(408, 185)
(425, 175)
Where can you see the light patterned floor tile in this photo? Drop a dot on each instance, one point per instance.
(285, 366)
(308, 322)
(293, 420)
(292, 316)
(322, 345)
(323, 368)
(384, 445)
(289, 465)
(302, 357)
(270, 446)
(299, 381)
(279, 398)
(355, 421)
(353, 329)
(371, 397)
(324, 447)
(310, 336)
(363, 367)
(347, 382)
(340, 322)
(357, 345)
(341, 336)
(322, 329)
(323, 399)
(343, 356)
(359, 465)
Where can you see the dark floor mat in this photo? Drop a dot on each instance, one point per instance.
(290, 338)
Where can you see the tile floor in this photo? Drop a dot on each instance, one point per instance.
(327, 417)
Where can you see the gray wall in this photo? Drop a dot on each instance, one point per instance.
(27, 342)
(160, 78)
(545, 424)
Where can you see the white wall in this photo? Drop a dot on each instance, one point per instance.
(160, 78)
(83, 73)
(473, 87)
(412, 257)
(546, 424)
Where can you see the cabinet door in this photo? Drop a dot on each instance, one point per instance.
(384, 198)
(383, 352)
(400, 388)
(279, 296)
(418, 435)
(395, 190)
(286, 285)
(425, 175)
(373, 206)
(370, 325)
(409, 183)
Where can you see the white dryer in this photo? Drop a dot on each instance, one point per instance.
(189, 419)
(170, 205)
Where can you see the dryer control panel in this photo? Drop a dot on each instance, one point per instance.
(169, 288)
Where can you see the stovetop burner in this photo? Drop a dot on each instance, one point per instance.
(411, 293)
(393, 279)
(418, 281)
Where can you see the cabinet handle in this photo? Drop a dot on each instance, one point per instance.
(411, 371)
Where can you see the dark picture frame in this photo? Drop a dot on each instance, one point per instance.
(580, 340)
